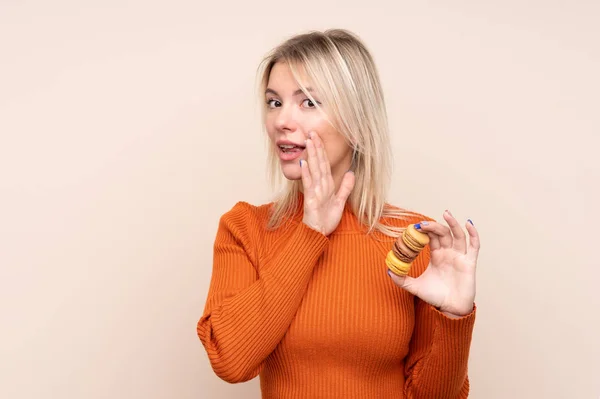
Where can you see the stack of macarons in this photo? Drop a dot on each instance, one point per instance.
(405, 250)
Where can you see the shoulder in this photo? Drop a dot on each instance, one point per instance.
(242, 226)
(245, 216)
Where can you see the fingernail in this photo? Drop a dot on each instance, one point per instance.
(310, 135)
(470, 221)
(449, 213)
(424, 223)
(389, 272)
(418, 226)
(300, 162)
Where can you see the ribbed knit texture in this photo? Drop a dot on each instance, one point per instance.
(318, 317)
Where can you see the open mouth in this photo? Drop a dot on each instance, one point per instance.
(288, 148)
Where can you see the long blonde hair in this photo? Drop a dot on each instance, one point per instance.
(342, 70)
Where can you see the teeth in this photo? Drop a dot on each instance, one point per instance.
(287, 146)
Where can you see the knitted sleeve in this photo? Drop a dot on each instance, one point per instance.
(249, 308)
(436, 365)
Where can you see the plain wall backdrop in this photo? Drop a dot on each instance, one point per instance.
(127, 128)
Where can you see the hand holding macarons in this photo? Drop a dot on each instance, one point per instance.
(448, 283)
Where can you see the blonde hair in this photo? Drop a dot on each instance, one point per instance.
(342, 70)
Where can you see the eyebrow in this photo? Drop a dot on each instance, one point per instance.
(296, 93)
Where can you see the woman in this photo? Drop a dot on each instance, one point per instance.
(300, 292)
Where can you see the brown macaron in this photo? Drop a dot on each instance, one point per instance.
(403, 252)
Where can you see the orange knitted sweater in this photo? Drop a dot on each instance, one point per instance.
(318, 317)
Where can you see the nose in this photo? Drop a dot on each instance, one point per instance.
(286, 120)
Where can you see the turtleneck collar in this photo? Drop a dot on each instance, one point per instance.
(349, 221)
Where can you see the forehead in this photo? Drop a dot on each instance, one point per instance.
(281, 76)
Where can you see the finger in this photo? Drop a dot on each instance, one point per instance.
(474, 243)
(306, 180)
(408, 283)
(326, 161)
(321, 157)
(324, 168)
(313, 164)
(328, 169)
(435, 229)
(346, 186)
(434, 241)
(459, 241)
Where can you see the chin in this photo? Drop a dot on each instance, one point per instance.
(291, 171)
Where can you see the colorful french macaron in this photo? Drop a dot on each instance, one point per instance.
(406, 248)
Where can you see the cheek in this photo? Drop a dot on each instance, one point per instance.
(320, 124)
(337, 149)
(270, 128)
(333, 141)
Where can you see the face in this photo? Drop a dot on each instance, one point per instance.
(291, 115)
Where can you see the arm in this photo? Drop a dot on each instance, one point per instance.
(436, 366)
(248, 312)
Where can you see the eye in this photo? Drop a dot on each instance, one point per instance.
(272, 103)
(309, 104)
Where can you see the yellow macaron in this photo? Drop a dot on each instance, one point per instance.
(415, 239)
(396, 265)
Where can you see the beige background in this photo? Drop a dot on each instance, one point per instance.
(128, 127)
